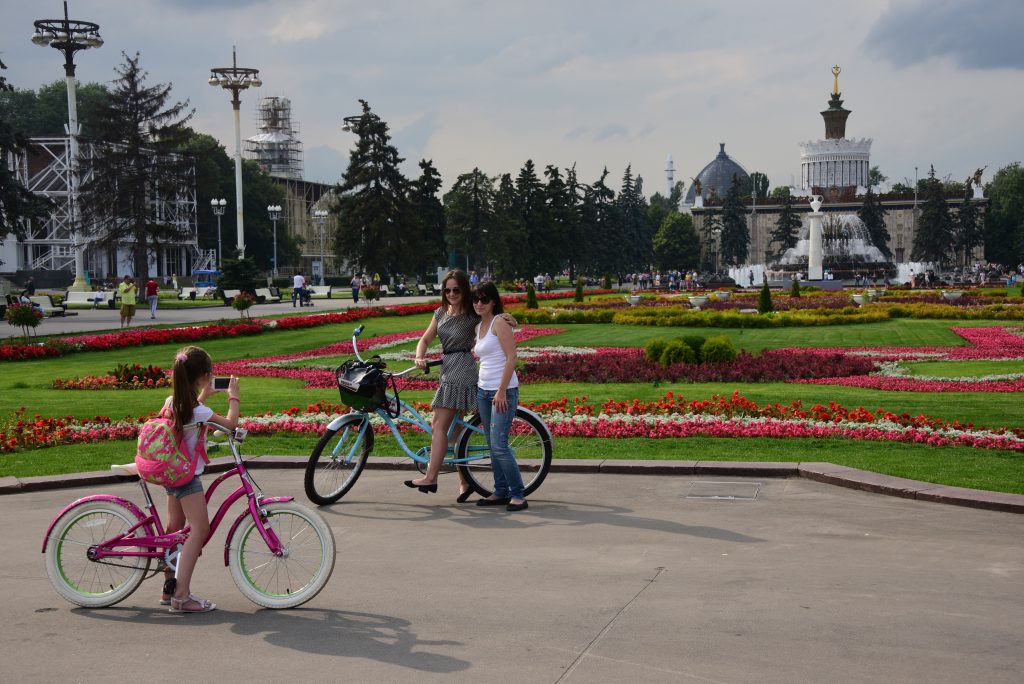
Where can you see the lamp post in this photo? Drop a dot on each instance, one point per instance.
(320, 215)
(218, 206)
(68, 36)
(718, 247)
(236, 79)
(274, 210)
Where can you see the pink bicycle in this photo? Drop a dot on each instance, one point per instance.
(100, 548)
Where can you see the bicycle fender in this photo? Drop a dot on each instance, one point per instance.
(340, 421)
(130, 505)
(243, 516)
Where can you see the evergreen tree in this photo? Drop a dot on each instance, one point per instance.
(764, 300)
(676, 245)
(787, 227)
(573, 236)
(634, 231)
(876, 177)
(44, 113)
(735, 235)
(872, 213)
(506, 236)
(469, 211)
(134, 172)
(429, 214)
(934, 235)
(530, 203)
(560, 213)
(17, 204)
(373, 204)
(968, 228)
(1004, 218)
(602, 245)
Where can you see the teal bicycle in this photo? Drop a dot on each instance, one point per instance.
(341, 454)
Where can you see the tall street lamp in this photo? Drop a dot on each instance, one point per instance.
(320, 215)
(68, 36)
(236, 79)
(274, 210)
(718, 245)
(219, 206)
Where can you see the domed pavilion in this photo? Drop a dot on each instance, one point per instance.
(717, 176)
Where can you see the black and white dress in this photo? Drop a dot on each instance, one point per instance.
(458, 371)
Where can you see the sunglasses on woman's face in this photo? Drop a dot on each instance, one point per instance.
(481, 300)
(451, 290)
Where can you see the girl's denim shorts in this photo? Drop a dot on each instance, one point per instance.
(191, 487)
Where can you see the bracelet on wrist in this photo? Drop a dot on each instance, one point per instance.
(235, 399)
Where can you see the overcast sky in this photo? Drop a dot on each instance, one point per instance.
(593, 83)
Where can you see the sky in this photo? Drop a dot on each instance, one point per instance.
(591, 83)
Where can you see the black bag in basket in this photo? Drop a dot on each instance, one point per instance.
(362, 385)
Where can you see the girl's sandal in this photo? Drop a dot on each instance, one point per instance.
(192, 604)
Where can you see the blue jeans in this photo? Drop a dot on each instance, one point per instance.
(508, 483)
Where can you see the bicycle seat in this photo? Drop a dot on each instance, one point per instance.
(125, 469)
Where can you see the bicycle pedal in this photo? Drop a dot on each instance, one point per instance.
(170, 585)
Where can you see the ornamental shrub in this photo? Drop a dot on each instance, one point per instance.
(695, 342)
(764, 302)
(531, 297)
(677, 351)
(718, 350)
(242, 302)
(579, 290)
(25, 316)
(795, 290)
(654, 348)
(606, 282)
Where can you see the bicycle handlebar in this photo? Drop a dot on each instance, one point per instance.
(355, 349)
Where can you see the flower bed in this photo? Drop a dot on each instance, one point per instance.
(669, 417)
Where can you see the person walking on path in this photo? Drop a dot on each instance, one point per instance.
(152, 295)
(298, 285)
(497, 396)
(128, 293)
(357, 282)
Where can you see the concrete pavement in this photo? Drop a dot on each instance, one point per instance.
(606, 578)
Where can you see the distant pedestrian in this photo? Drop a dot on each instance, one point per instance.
(30, 288)
(129, 293)
(152, 295)
(357, 282)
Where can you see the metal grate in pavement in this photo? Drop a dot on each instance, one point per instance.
(723, 491)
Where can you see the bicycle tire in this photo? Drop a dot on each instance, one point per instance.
(328, 475)
(530, 440)
(296, 576)
(84, 582)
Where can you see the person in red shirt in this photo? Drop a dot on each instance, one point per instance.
(151, 295)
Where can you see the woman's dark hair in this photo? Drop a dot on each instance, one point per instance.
(489, 290)
(462, 280)
(190, 364)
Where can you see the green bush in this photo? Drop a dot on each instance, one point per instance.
(795, 290)
(606, 282)
(579, 290)
(764, 302)
(677, 351)
(239, 274)
(531, 297)
(654, 348)
(717, 350)
(695, 342)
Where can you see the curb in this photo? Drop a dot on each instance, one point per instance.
(827, 473)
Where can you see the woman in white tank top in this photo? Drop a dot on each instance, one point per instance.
(497, 395)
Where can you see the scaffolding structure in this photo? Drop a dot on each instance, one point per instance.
(45, 170)
(276, 148)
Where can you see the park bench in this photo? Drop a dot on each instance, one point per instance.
(267, 294)
(325, 291)
(46, 305)
(385, 291)
(107, 298)
(188, 293)
(422, 289)
(229, 296)
(436, 288)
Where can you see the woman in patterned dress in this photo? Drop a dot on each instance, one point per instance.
(455, 323)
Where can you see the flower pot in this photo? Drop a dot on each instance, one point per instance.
(722, 296)
(633, 299)
(698, 301)
(860, 300)
(950, 295)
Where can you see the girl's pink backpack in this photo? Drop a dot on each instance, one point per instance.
(162, 456)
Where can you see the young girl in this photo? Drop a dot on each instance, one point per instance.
(192, 377)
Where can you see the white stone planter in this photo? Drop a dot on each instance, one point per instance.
(633, 299)
(722, 296)
(698, 301)
(861, 300)
(952, 294)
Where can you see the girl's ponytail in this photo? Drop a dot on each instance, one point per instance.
(190, 364)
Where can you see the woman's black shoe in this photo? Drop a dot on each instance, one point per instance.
(432, 488)
(464, 496)
(517, 507)
(492, 502)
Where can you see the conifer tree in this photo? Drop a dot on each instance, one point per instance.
(600, 249)
(872, 213)
(968, 228)
(469, 211)
(634, 231)
(787, 227)
(506, 236)
(17, 204)
(373, 203)
(675, 244)
(934, 235)
(134, 172)
(428, 212)
(532, 209)
(735, 235)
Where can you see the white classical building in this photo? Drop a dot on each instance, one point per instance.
(838, 162)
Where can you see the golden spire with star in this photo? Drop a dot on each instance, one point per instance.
(835, 82)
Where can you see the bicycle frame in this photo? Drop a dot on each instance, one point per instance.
(157, 541)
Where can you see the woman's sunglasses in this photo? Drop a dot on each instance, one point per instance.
(450, 290)
(481, 300)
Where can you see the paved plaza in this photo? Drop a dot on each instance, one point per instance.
(606, 578)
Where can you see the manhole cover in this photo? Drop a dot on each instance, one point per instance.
(724, 491)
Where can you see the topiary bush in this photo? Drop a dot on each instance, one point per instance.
(795, 290)
(695, 342)
(718, 350)
(677, 351)
(653, 349)
(579, 290)
(531, 297)
(764, 302)
(606, 282)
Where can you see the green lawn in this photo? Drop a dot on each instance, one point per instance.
(963, 369)
(27, 385)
